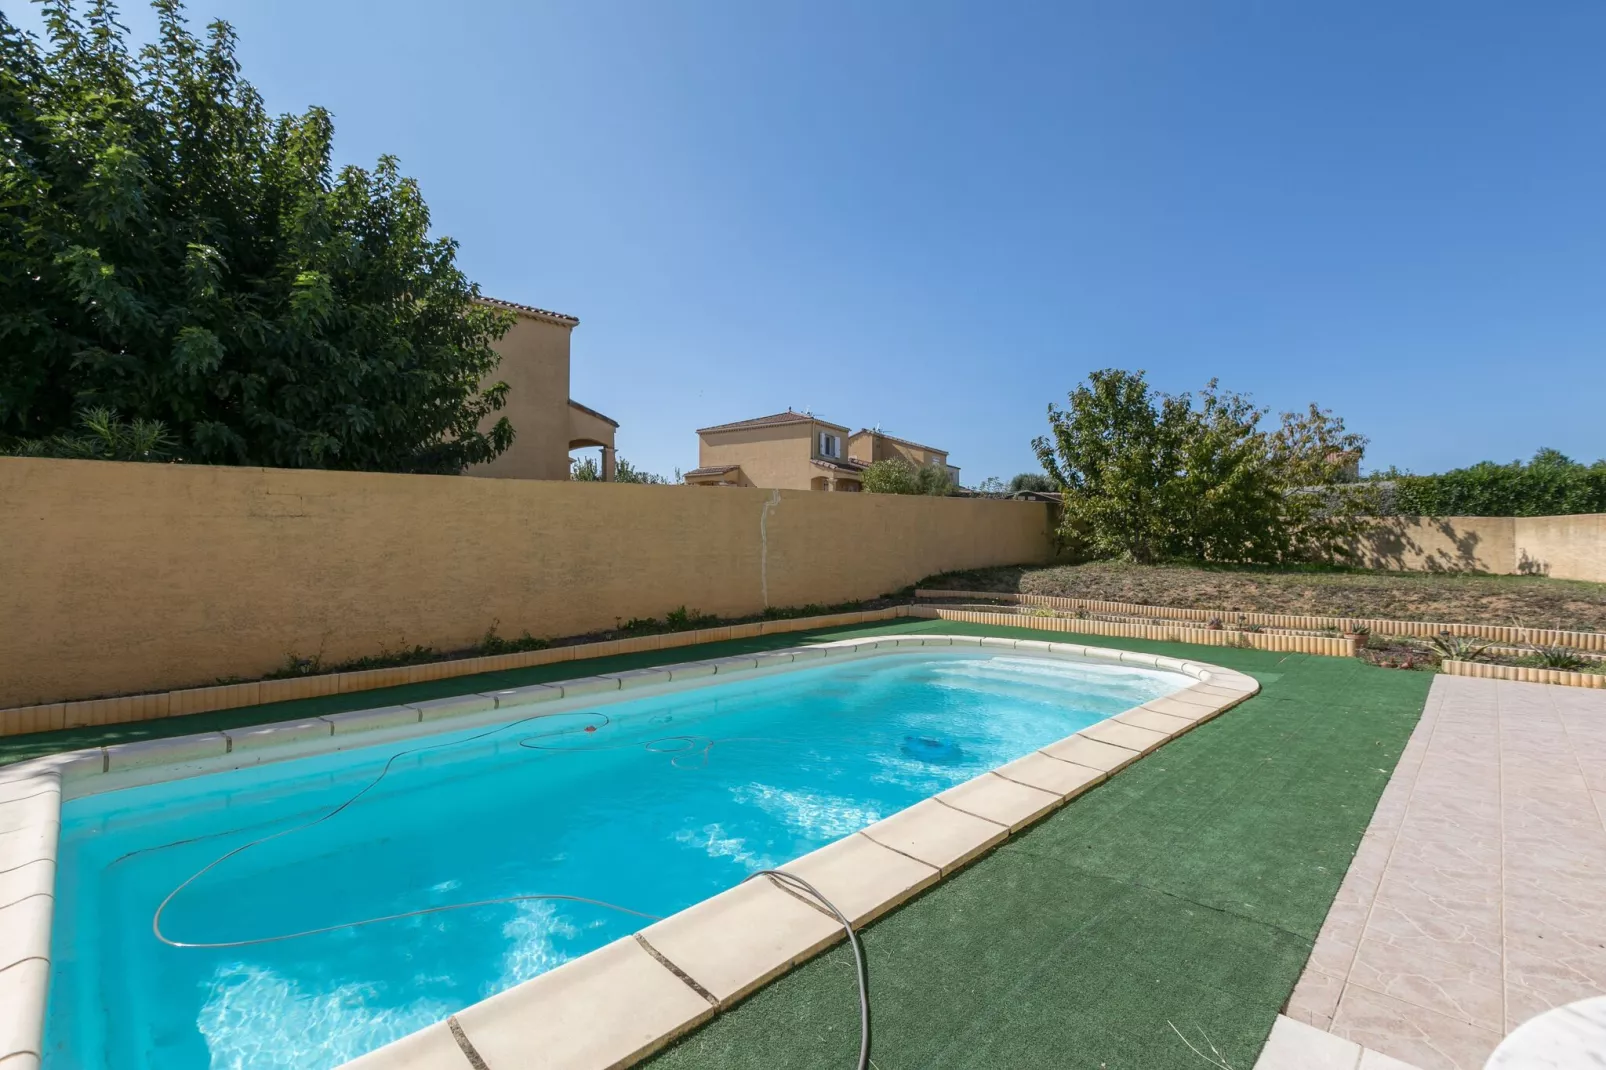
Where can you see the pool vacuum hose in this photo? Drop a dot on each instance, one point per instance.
(677, 747)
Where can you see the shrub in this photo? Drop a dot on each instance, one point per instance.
(1551, 484)
(897, 476)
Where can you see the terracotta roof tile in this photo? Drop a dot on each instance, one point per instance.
(530, 310)
(776, 420)
(573, 404)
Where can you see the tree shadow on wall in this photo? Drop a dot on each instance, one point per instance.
(1531, 566)
(1391, 545)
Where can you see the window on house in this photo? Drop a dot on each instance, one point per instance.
(830, 445)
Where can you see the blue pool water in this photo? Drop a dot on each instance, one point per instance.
(667, 800)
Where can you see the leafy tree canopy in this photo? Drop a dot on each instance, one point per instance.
(171, 253)
(1150, 476)
(897, 476)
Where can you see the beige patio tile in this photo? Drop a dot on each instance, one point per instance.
(1376, 1060)
(1142, 740)
(694, 669)
(1472, 903)
(1463, 987)
(1315, 998)
(937, 835)
(1156, 722)
(602, 1010)
(1572, 971)
(743, 937)
(863, 878)
(1421, 1037)
(1065, 779)
(1433, 935)
(1294, 1045)
(1001, 800)
(1092, 754)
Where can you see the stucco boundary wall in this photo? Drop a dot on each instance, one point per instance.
(1499, 633)
(131, 579)
(1561, 547)
(1522, 673)
(1325, 645)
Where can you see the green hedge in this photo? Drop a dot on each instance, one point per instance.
(1550, 485)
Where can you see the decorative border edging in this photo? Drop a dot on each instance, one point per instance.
(676, 973)
(1522, 673)
(1591, 641)
(1324, 645)
(86, 713)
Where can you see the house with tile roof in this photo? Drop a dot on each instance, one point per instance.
(797, 451)
(547, 422)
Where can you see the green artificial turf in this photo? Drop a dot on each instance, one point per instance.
(1183, 895)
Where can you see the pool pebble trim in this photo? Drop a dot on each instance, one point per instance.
(622, 1002)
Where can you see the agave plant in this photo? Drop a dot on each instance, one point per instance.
(1556, 657)
(1459, 647)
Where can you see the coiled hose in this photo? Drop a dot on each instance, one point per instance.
(680, 747)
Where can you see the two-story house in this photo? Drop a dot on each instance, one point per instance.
(798, 451)
(547, 422)
(788, 451)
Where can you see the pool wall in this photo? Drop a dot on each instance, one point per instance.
(629, 998)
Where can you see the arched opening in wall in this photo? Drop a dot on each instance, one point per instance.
(590, 461)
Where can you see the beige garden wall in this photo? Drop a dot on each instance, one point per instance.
(1562, 547)
(119, 578)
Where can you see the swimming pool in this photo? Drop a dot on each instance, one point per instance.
(649, 803)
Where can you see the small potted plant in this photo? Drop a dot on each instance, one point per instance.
(1358, 634)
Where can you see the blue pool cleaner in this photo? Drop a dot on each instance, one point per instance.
(928, 749)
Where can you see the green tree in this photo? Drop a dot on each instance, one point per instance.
(1041, 482)
(1150, 476)
(897, 476)
(172, 253)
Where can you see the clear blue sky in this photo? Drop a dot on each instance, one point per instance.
(939, 217)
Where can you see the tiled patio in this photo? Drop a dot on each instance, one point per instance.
(1477, 898)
